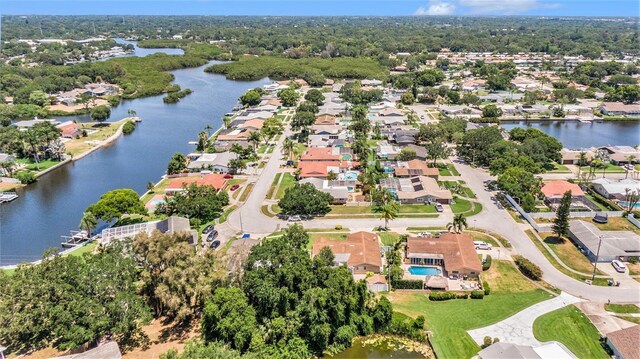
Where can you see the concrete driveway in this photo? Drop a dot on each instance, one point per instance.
(518, 329)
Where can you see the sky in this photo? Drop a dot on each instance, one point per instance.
(324, 7)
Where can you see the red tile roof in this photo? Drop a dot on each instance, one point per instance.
(558, 188)
(362, 247)
(457, 250)
(215, 180)
(319, 154)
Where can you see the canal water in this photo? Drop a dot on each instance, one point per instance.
(367, 349)
(575, 134)
(54, 205)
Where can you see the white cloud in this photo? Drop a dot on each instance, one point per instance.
(504, 7)
(437, 7)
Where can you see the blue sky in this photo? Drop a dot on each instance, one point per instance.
(324, 7)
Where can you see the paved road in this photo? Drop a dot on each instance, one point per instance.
(518, 328)
(493, 219)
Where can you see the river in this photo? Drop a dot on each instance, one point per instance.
(53, 206)
(575, 134)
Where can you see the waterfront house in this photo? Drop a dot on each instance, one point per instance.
(620, 109)
(360, 252)
(454, 252)
(624, 343)
(502, 350)
(23, 125)
(415, 167)
(572, 157)
(69, 129)
(171, 225)
(621, 154)
(613, 244)
(216, 162)
(535, 109)
(615, 189)
(417, 190)
(215, 180)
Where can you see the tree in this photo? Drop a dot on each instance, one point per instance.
(132, 113)
(518, 182)
(558, 111)
(250, 98)
(388, 212)
(197, 202)
(88, 222)
(561, 222)
(305, 200)
(491, 111)
(631, 198)
(406, 154)
(100, 113)
(177, 164)
(332, 176)
(237, 165)
(203, 142)
(458, 224)
(254, 137)
(271, 127)
(114, 204)
(288, 96)
(475, 145)
(437, 149)
(288, 147)
(315, 96)
(407, 98)
(228, 317)
(39, 98)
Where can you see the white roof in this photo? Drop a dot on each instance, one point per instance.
(617, 186)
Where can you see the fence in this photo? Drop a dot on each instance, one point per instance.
(633, 220)
(581, 214)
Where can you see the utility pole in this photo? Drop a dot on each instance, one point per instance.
(595, 264)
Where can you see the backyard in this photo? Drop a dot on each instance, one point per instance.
(572, 328)
(449, 320)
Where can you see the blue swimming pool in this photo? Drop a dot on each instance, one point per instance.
(351, 176)
(624, 204)
(424, 270)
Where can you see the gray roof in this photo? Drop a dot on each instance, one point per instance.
(109, 350)
(614, 243)
(508, 351)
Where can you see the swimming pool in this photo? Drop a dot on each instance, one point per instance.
(624, 204)
(351, 176)
(424, 270)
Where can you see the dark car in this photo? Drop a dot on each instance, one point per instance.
(207, 229)
(235, 187)
(212, 235)
(228, 175)
(215, 244)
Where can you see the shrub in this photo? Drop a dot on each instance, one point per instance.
(26, 177)
(487, 341)
(477, 294)
(128, 127)
(408, 284)
(633, 260)
(528, 268)
(462, 295)
(440, 296)
(403, 325)
(487, 263)
(487, 289)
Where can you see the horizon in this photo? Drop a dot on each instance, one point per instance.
(310, 8)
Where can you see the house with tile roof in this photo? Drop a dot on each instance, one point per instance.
(624, 343)
(360, 252)
(454, 252)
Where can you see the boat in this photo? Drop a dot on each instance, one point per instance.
(7, 196)
(76, 238)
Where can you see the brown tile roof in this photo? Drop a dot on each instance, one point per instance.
(457, 250)
(325, 120)
(362, 248)
(626, 341)
(214, 180)
(416, 168)
(558, 188)
(319, 154)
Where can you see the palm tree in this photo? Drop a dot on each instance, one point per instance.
(88, 222)
(630, 159)
(237, 149)
(287, 147)
(459, 223)
(582, 160)
(388, 212)
(254, 137)
(132, 113)
(208, 128)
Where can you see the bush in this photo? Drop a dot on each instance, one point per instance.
(528, 268)
(462, 295)
(26, 177)
(128, 127)
(633, 260)
(408, 284)
(403, 325)
(487, 264)
(440, 296)
(487, 289)
(477, 294)
(487, 341)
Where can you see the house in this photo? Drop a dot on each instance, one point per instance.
(460, 111)
(327, 129)
(377, 283)
(171, 225)
(502, 350)
(417, 190)
(391, 112)
(215, 180)
(322, 154)
(572, 156)
(421, 151)
(372, 83)
(454, 252)
(555, 190)
(621, 154)
(317, 169)
(23, 125)
(624, 343)
(69, 129)
(402, 138)
(415, 167)
(109, 350)
(234, 134)
(338, 191)
(535, 109)
(620, 109)
(615, 244)
(615, 189)
(360, 252)
(255, 124)
(216, 162)
(5, 157)
(325, 119)
(387, 151)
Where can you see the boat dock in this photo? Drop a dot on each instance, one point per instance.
(7, 196)
(76, 238)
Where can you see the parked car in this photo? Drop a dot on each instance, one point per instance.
(618, 266)
(295, 218)
(212, 235)
(235, 187)
(228, 175)
(482, 245)
(208, 229)
(439, 207)
(290, 163)
(215, 244)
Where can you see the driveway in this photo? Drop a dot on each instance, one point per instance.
(601, 319)
(496, 220)
(518, 329)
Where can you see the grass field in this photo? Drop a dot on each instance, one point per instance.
(389, 238)
(617, 224)
(449, 320)
(273, 185)
(403, 209)
(572, 328)
(558, 168)
(287, 181)
(622, 308)
(568, 253)
(246, 192)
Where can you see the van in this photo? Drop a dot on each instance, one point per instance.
(619, 266)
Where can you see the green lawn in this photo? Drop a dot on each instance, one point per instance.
(568, 253)
(611, 168)
(461, 205)
(449, 320)
(388, 238)
(246, 192)
(403, 209)
(558, 168)
(299, 149)
(31, 165)
(332, 236)
(572, 328)
(273, 185)
(287, 181)
(622, 308)
(87, 248)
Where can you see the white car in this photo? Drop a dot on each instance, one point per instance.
(482, 245)
(618, 266)
(295, 218)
